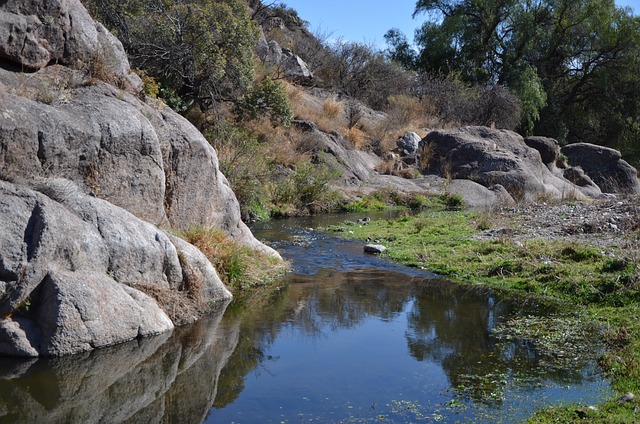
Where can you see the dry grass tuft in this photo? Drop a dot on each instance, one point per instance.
(238, 266)
(396, 167)
(332, 108)
(357, 137)
(180, 308)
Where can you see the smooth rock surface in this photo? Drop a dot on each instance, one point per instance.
(604, 166)
(72, 267)
(489, 157)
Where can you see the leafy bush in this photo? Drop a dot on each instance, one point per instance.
(306, 189)
(269, 99)
(200, 48)
(245, 163)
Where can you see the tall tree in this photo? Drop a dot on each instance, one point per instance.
(573, 63)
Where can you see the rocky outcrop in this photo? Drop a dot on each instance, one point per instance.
(527, 170)
(75, 270)
(548, 148)
(290, 65)
(144, 158)
(34, 34)
(604, 166)
(407, 147)
(88, 173)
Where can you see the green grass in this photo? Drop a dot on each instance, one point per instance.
(602, 286)
(240, 267)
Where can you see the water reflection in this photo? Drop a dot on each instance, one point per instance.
(444, 325)
(172, 378)
(456, 330)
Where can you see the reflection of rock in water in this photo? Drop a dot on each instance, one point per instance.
(169, 378)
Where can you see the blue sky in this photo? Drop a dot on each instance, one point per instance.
(368, 20)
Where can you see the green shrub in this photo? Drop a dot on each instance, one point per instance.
(245, 163)
(269, 99)
(307, 189)
(451, 201)
(173, 99)
(239, 267)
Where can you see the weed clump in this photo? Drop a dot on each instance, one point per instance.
(239, 266)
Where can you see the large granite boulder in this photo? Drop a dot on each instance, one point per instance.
(36, 33)
(141, 156)
(75, 272)
(604, 166)
(172, 377)
(489, 157)
(548, 148)
(289, 64)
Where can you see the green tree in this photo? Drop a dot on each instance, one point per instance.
(267, 98)
(199, 48)
(572, 63)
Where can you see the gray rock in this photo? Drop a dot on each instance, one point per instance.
(374, 248)
(35, 33)
(144, 158)
(289, 64)
(408, 144)
(86, 169)
(476, 196)
(548, 148)
(489, 157)
(73, 265)
(19, 41)
(604, 166)
(150, 380)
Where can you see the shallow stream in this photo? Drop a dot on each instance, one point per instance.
(348, 337)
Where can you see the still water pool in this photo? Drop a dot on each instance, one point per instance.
(348, 337)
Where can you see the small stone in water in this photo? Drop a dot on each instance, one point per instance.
(374, 248)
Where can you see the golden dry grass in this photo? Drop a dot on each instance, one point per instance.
(238, 266)
(332, 108)
(357, 137)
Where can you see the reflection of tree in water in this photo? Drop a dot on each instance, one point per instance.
(448, 324)
(346, 299)
(454, 327)
(330, 300)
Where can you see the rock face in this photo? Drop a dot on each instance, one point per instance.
(166, 378)
(291, 65)
(87, 172)
(407, 147)
(74, 271)
(604, 166)
(527, 169)
(35, 33)
(548, 148)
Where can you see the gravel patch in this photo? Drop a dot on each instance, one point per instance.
(604, 223)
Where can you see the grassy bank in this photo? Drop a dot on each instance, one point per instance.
(600, 283)
(242, 269)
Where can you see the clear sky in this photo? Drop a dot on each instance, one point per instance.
(368, 20)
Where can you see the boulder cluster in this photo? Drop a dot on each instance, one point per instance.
(526, 169)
